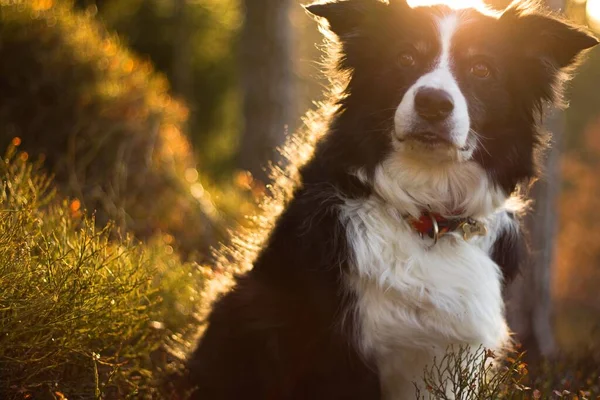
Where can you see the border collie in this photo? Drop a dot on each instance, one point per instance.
(403, 226)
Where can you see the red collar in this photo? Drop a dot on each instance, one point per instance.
(435, 226)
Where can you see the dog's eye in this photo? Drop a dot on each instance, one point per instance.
(407, 59)
(481, 70)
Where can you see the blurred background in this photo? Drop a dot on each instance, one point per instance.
(161, 115)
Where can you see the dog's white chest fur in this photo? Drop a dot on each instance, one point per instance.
(414, 300)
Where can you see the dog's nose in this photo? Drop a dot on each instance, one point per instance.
(433, 104)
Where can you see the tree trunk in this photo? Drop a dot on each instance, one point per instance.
(267, 83)
(529, 298)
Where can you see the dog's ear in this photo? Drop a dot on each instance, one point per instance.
(346, 16)
(549, 38)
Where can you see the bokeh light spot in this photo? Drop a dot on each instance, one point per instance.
(592, 10)
(455, 4)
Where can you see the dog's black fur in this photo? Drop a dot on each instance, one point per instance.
(285, 331)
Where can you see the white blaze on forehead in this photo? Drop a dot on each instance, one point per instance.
(447, 25)
(441, 77)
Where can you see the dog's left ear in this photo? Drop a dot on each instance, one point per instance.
(549, 38)
(346, 16)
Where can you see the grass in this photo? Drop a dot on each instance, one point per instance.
(81, 314)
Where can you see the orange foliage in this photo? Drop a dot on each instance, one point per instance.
(578, 252)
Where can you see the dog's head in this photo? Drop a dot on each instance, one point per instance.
(439, 85)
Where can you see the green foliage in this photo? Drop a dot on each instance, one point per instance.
(206, 32)
(80, 314)
(584, 104)
(103, 120)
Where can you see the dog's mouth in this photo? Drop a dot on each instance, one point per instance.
(430, 140)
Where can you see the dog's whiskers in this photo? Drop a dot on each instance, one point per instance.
(477, 137)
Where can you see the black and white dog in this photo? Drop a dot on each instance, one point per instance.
(401, 233)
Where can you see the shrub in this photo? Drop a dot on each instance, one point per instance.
(481, 375)
(81, 315)
(473, 375)
(196, 47)
(103, 120)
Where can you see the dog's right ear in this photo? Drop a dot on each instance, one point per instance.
(347, 16)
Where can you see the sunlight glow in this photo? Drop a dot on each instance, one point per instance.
(592, 10)
(456, 4)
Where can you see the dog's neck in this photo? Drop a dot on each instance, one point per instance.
(455, 190)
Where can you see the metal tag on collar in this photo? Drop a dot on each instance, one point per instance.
(436, 228)
(472, 228)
